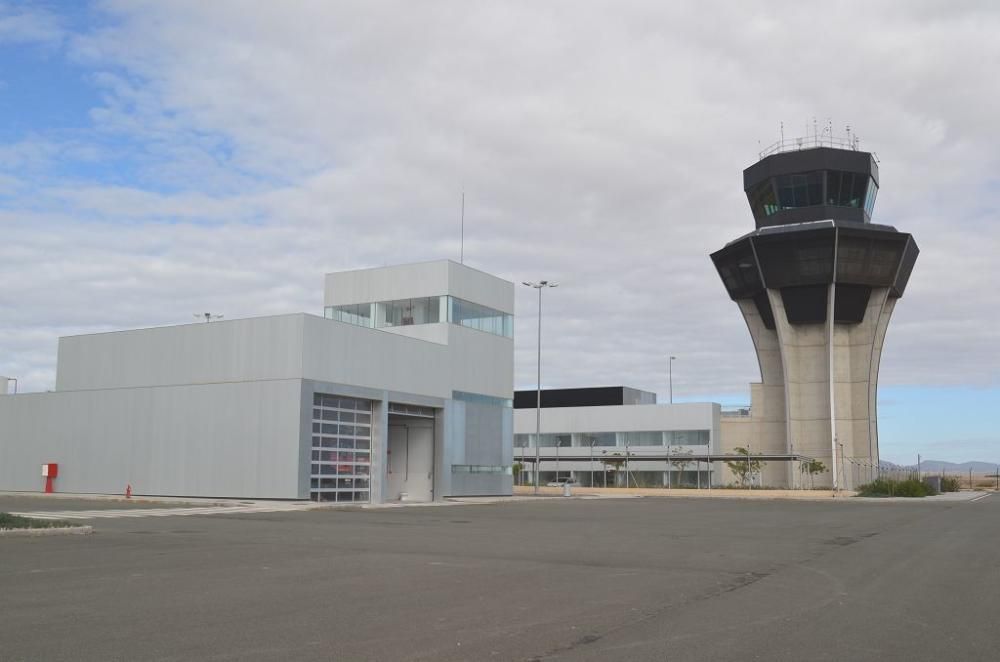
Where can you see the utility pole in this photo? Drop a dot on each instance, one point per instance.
(592, 462)
(670, 377)
(540, 285)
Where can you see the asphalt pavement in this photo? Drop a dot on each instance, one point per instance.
(552, 579)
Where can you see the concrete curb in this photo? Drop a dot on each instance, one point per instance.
(87, 496)
(48, 531)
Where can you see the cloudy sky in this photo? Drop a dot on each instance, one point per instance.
(162, 158)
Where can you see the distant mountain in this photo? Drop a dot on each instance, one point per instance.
(977, 467)
(933, 466)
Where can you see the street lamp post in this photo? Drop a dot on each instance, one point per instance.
(592, 440)
(538, 394)
(670, 377)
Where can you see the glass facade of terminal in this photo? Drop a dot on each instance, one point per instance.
(425, 310)
(598, 459)
(616, 439)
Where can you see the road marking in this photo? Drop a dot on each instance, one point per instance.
(160, 512)
(979, 498)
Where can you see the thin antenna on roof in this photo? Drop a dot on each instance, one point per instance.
(461, 254)
(782, 129)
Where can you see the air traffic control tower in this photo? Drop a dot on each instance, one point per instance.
(816, 282)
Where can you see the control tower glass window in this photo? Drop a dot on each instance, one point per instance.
(763, 201)
(845, 189)
(870, 197)
(800, 190)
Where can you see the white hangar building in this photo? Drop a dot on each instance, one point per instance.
(402, 390)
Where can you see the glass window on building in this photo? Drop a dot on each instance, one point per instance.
(598, 439)
(800, 190)
(870, 196)
(548, 440)
(644, 438)
(424, 310)
(687, 437)
(406, 312)
(763, 201)
(845, 189)
(359, 314)
(481, 318)
(556, 440)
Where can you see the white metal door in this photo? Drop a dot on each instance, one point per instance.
(420, 464)
(396, 462)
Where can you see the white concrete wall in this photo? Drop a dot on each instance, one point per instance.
(222, 440)
(223, 351)
(288, 347)
(480, 287)
(791, 409)
(481, 362)
(349, 354)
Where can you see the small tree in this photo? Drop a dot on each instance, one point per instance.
(516, 469)
(745, 469)
(681, 460)
(813, 468)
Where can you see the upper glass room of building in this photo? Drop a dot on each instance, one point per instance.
(424, 310)
(404, 297)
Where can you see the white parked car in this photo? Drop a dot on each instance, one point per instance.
(572, 482)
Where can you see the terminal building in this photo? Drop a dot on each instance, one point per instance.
(610, 436)
(401, 391)
(817, 283)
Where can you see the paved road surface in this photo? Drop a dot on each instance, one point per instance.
(623, 579)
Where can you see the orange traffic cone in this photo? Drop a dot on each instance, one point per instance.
(128, 491)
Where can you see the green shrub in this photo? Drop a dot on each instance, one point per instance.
(8, 521)
(885, 487)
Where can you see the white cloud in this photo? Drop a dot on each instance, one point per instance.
(600, 145)
(24, 24)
